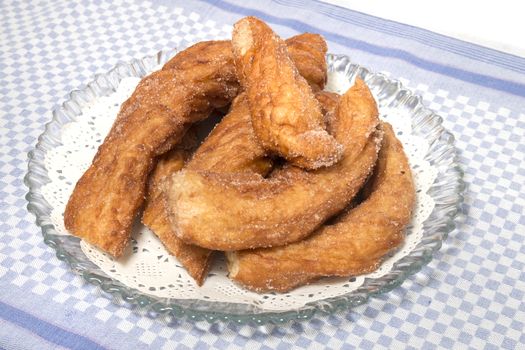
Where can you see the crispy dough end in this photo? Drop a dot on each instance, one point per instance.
(286, 117)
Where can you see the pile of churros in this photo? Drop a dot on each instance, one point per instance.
(293, 184)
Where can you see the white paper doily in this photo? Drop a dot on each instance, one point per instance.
(148, 267)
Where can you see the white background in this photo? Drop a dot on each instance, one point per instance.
(496, 24)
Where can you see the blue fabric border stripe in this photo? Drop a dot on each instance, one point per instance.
(457, 73)
(46, 330)
(11, 333)
(421, 35)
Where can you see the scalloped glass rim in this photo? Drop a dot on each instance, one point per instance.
(447, 192)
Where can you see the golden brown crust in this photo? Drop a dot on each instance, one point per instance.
(107, 197)
(227, 148)
(232, 146)
(328, 102)
(354, 245)
(244, 210)
(286, 117)
(308, 52)
(195, 259)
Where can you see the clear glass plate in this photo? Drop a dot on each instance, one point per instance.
(446, 192)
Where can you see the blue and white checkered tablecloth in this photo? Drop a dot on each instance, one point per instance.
(470, 296)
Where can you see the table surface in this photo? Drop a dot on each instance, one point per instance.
(470, 296)
(495, 24)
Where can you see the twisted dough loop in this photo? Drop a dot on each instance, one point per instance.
(230, 147)
(244, 210)
(354, 245)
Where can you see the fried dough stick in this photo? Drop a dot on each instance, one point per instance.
(107, 197)
(194, 259)
(286, 117)
(355, 244)
(244, 210)
(197, 80)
